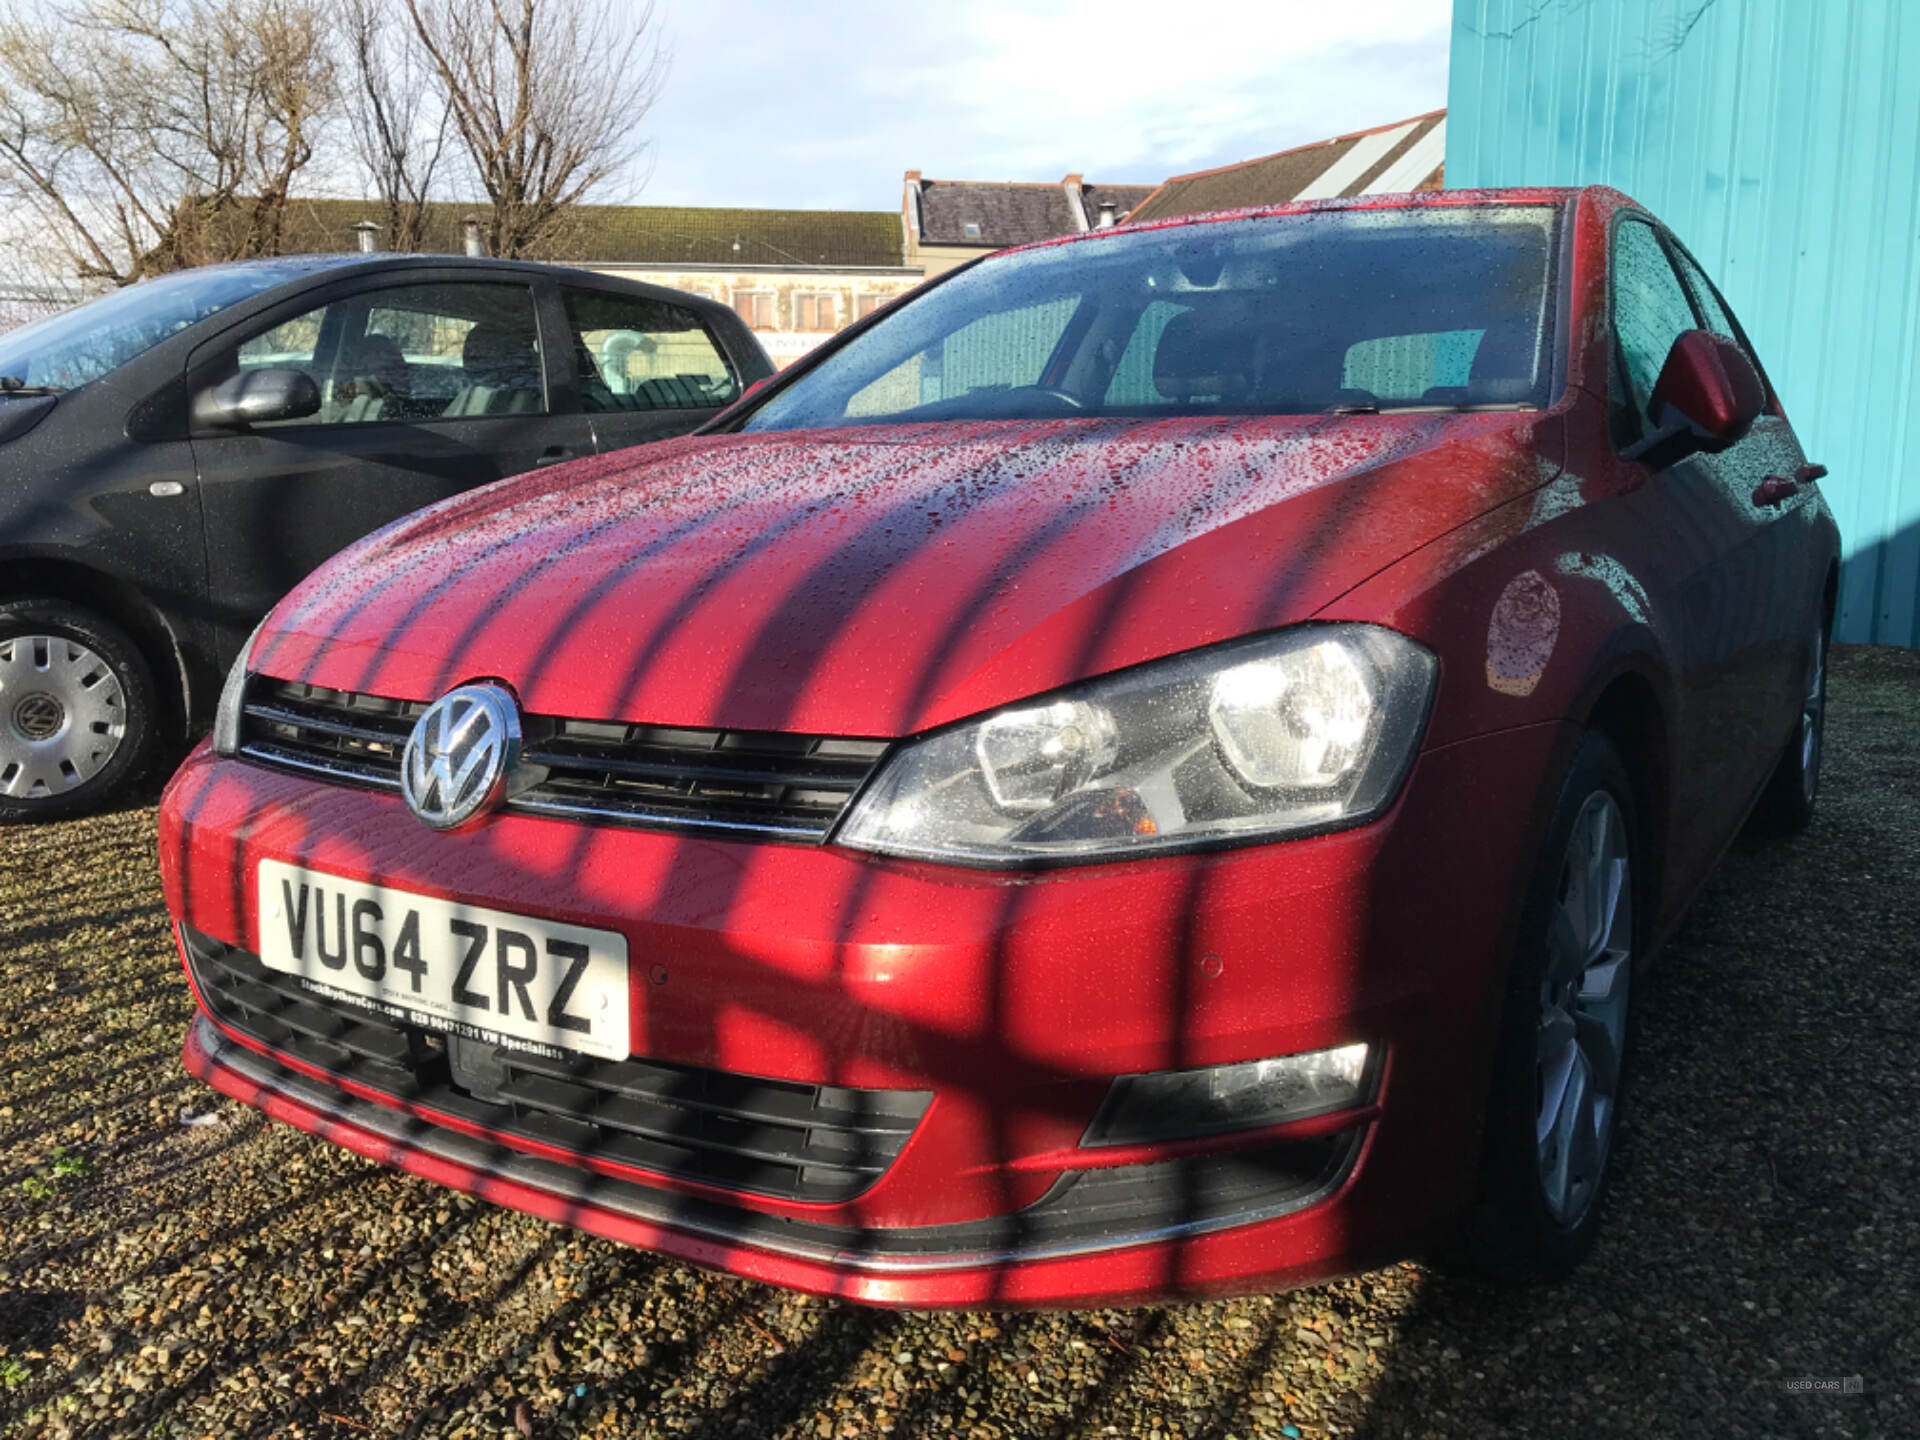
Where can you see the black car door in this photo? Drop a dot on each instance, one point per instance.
(428, 387)
(646, 368)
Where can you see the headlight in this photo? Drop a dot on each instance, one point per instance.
(1302, 730)
(1182, 1104)
(233, 694)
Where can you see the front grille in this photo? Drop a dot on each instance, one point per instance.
(824, 1143)
(741, 782)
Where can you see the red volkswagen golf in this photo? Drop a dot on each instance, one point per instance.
(1150, 767)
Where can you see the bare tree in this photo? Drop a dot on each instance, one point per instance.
(544, 96)
(397, 115)
(144, 135)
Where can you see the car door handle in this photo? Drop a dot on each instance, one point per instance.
(166, 489)
(1774, 490)
(553, 455)
(1809, 473)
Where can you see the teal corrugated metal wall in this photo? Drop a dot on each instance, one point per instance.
(1781, 141)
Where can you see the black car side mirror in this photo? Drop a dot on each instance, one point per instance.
(257, 397)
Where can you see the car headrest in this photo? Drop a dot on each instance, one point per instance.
(1205, 352)
(495, 356)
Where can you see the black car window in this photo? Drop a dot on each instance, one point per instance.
(1650, 311)
(636, 353)
(450, 351)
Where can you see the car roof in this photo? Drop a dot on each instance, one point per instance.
(295, 267)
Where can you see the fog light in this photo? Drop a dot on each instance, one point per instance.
(1180, 1104)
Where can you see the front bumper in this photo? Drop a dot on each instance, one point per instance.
(1014, 999)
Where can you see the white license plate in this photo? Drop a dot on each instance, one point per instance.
(450, 967)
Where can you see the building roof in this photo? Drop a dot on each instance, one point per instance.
(1406, 155)
(641, 234)
(992, 214)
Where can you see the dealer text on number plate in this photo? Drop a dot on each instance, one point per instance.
(449, 966)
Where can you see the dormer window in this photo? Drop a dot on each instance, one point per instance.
(971, 229)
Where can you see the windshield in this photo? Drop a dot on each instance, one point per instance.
(1441, 307)
(82, 344)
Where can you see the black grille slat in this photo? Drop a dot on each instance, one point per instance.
(785, 1138)
(772, 1102)
(747, 783)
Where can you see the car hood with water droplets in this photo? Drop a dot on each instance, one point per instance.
(881, 581)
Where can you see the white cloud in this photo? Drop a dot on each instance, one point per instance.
(825, 104)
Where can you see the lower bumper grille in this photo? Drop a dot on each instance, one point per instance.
(1086, 1213)
(817, 1143)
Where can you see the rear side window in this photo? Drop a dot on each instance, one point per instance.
(1650, 312)
(637, 353)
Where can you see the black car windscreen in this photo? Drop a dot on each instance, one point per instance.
(1441, 306)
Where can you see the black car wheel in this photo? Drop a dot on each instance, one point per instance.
(1789, 801)
(1560, 1070)
(76, 710)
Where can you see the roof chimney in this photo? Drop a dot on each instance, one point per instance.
(366, 236)
(475, 244)
(1074, 180)
(1108, 215)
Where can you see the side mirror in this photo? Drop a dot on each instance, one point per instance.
(1708, 390)
(257, 397)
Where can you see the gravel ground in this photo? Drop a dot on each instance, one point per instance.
(173, 1265)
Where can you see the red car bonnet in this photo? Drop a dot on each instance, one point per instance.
(881, 581)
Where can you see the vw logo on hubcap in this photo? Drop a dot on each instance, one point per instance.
(460, 754)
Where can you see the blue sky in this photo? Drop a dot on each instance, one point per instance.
(824, 103)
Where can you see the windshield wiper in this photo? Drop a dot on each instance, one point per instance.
(1363, 409)
(11, 385)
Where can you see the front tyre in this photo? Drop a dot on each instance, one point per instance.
(1560, 1070)
(76, 710)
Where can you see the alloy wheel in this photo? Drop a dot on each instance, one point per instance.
(1583, 1009)
(63, 714)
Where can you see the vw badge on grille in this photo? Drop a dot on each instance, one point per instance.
(460, 754)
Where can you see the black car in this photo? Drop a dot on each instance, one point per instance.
(175, 456)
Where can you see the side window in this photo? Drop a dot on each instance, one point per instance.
(1004, 350)
(1650, 311)
(639, 354)
(290, 345)
(415, 352)
(440, 352)
(1715, 315)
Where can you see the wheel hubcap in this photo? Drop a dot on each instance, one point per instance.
(66, 715)
(1583, 1009)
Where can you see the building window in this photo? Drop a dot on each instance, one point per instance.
(815, 313)
(755, 307)
(971, 229)
(865, 305)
